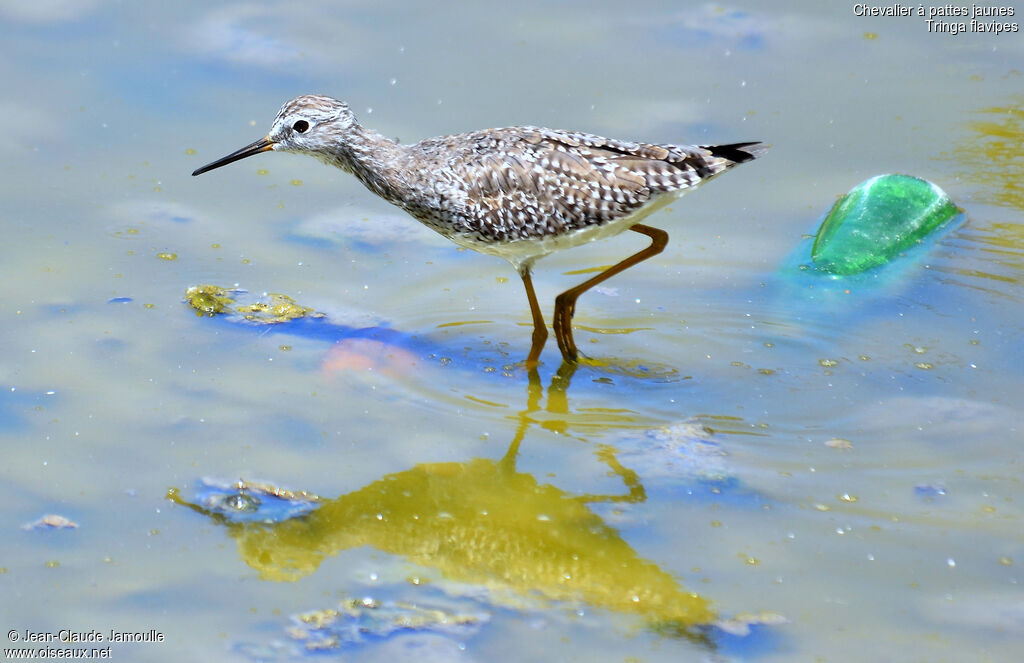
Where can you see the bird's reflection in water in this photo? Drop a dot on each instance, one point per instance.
(485, 523)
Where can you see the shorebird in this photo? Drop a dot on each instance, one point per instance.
(518, 193)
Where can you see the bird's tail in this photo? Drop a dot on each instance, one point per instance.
(738, 152)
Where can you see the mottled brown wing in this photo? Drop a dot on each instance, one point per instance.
(528, 182)
(671, 167)
(531, 182)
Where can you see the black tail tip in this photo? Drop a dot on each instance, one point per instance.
(739, 152)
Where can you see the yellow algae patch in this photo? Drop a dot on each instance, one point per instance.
(993, 154)
(610, 330)
(634, 368)
(214, 300)
(588, 270)
(464, 322)
(279, 308)
(989, 157)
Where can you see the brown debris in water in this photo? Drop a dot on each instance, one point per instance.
(51, 521)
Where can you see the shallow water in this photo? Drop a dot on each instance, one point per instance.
(746, 439)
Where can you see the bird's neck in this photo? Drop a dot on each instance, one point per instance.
(371, 157)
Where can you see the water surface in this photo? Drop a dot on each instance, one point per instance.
(841, 455)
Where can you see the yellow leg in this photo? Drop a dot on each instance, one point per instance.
(540, 330)
(565, 303)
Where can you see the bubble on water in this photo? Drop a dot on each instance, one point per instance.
(241, 502)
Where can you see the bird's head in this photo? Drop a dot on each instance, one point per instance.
(309, 124)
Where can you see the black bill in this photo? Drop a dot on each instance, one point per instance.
(262, 145)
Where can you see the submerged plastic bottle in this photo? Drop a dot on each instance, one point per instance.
(877, 220)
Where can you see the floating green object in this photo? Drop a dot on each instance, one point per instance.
(209, 300)
(877, 220)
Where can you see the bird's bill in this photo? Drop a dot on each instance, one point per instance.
(262, 145)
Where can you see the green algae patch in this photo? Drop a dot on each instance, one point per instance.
(274, 308)
(209, 300)
(278, 308)
(877, 220)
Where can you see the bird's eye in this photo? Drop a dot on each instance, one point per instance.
(301, 126)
